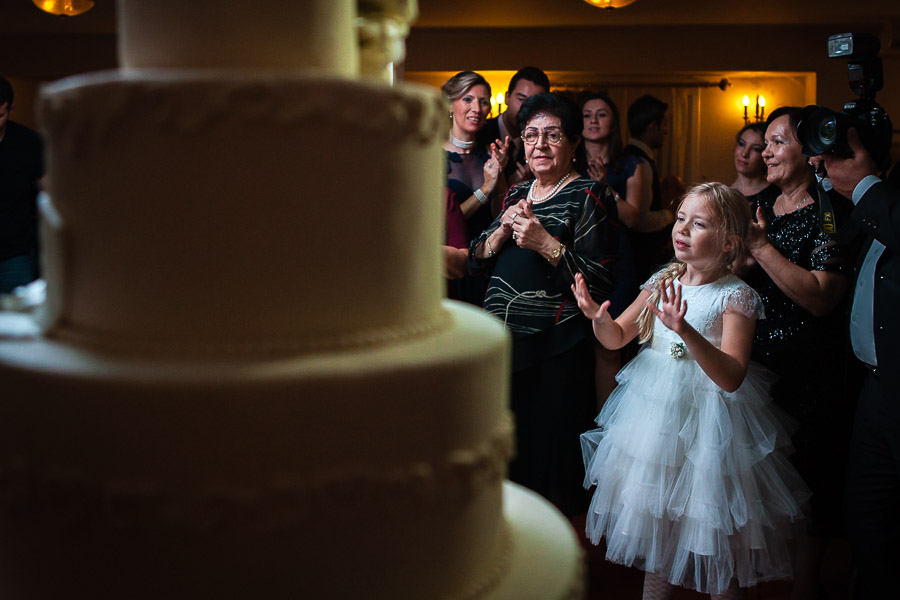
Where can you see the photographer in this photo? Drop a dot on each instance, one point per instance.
(873, 490)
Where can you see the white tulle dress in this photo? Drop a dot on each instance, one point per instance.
(692, 482)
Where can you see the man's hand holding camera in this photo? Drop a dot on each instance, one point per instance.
(845, 173)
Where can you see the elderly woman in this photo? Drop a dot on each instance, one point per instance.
(802, 277)
(551, 228)
(475, 182)
(752, 179)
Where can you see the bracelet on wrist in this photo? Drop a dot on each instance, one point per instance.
(490, 248)
(480, 196)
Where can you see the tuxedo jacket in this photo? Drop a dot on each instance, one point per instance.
(877, 216)
(490, 133)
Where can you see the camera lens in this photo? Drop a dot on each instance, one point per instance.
(821, 130)
(827, 131)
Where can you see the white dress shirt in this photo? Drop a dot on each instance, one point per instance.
(862, 312)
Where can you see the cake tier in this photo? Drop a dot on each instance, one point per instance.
(372, 473)
(210, 213)
(547, 561)
(267, 34)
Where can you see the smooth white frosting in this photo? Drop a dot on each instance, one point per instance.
(360, 457)
(223, 212)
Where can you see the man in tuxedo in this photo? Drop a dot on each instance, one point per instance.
(527, 82)
(873, 490)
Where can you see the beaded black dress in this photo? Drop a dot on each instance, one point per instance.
(811, 356)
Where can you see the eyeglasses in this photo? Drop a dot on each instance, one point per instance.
(553, 136)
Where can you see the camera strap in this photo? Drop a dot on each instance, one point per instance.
(827, 218)
(834, 216)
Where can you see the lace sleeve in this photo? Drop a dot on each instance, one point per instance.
(745, 300)
(651, 283)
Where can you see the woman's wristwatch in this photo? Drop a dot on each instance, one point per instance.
(554, 254)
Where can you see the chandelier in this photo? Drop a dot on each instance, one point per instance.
(64, 7)
(609, 4)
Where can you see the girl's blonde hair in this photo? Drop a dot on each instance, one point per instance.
(730, 211)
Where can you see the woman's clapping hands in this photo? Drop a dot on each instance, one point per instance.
(527, 230)
(756, 233)
(500, 152)
(596, 170)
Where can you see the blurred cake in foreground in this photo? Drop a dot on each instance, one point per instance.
(245, 382)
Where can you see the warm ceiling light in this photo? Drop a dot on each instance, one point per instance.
(69, 8)
(609, 4)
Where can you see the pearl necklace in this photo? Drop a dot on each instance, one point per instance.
(460, 143)
(553, 191)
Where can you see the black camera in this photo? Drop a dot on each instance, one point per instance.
(822, 130)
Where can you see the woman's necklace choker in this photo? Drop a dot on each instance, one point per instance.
(553, 191)
(460, 143)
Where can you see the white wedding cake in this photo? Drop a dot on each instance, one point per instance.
(244, 381)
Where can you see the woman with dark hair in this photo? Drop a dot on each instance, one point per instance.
(802, 276)
(751, 179)
(607, 161)
(475, 181)
(551, 228)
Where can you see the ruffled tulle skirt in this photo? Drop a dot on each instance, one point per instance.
(692, 482)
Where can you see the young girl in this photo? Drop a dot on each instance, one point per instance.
(691, 487)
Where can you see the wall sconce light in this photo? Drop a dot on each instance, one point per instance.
(70, 8)
(760, 114)
(498, 101)
(609, 4)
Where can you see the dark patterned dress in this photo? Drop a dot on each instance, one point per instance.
(811, 356)
(553, 397)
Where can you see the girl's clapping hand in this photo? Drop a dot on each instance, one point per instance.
(591, 309)
(671, 308)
